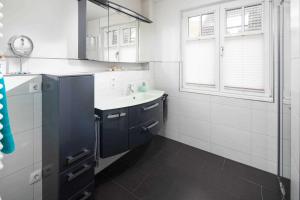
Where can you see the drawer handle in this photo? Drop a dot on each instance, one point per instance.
(123, 114)
(80, 155)
(151, 107)
(86, 195)
(150, 126)
(72, 175)
(113, 116)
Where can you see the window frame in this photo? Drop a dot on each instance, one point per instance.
(194, 87)
(220, 90)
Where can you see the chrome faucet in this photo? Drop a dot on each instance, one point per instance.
(130, 89)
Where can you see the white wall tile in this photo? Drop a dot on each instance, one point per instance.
(194, 128)
(232, 138)
(196, 109)
(20, 109)
(194, 142)
(264, 147)
(167, 77)
(264, 122)
(23, 155)
(263, 164)
(16, 186)
(231, 116)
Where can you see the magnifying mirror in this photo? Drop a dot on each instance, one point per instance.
(21, 46)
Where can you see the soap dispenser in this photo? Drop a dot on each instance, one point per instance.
(143, 87)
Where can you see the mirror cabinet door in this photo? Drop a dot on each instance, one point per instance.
(123, 37)
(96, 26)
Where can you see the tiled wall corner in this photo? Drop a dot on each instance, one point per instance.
(25, 109)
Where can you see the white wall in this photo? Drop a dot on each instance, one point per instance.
(241, 130)
(295, 90)
(53, 28)
(52, 25)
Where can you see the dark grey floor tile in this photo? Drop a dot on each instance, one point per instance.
(107, 190)
(156, 187)
(271, 195)
(257, 176)
(168, 170)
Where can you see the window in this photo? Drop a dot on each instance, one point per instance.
(226, 50)
(200, 46)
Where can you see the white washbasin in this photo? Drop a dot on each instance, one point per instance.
(131, 100)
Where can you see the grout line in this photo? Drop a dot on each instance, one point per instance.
(124, 188)
(144, 179)
(249, 181)
(17, 171)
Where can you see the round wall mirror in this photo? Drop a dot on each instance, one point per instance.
(21, 45)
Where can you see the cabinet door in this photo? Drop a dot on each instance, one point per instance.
(142, 134)
(76, 116)
(114, 132)
(147, 112)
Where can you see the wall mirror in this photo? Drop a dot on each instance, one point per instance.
(112, 33)
(123, 37)
(96, 26)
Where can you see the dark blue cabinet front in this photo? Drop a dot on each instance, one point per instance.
(127, 128)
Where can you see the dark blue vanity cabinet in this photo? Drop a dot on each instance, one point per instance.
(114, 132)
(144, 121)
(68, 137)
(127, 128)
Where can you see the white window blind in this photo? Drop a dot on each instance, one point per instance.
(226, 50)
(243, 63)
(200, 48)
(200, 62)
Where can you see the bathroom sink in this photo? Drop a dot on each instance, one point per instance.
(131, 100)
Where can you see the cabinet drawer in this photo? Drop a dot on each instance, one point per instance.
(114, 132)
(76, 178)
(140, 135)
(85, 194)
(146, 112)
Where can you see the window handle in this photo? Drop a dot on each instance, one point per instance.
(222, 51)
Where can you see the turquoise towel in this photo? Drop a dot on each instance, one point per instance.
(7, 140)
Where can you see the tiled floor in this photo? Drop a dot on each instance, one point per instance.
(168, 170)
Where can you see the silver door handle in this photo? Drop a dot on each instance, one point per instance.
(151, 107)
(113, 116)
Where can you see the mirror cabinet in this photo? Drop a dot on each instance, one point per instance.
(112, 33)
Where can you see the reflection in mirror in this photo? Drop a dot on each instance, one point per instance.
(122, 37)
(97, 23)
